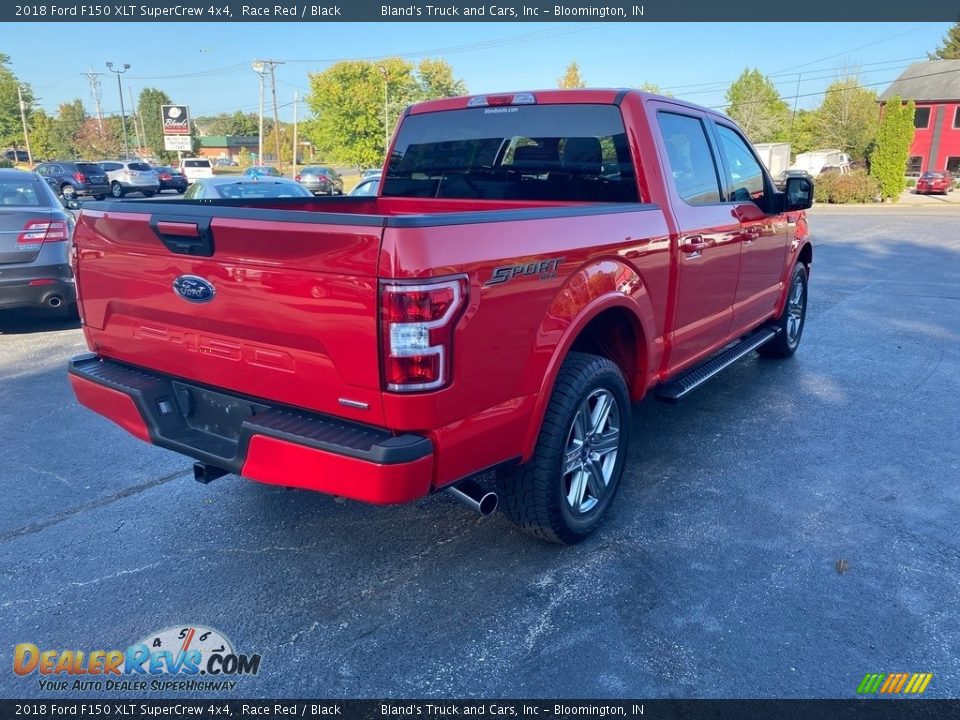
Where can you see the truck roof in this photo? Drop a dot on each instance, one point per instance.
(595, 96)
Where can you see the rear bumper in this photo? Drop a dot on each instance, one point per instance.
(263, 442)
(91, 190)
(36, 286)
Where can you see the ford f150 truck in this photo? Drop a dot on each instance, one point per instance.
(532, 264)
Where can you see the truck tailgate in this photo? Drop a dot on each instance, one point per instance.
(270, 304)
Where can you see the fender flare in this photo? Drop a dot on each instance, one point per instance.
(639, 308)
(795, 253)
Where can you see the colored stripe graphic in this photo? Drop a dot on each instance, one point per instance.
(894, 683)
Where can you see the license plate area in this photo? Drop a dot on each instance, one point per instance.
(211, 412)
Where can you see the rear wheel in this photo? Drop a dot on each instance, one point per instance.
(116, 190)
(791, 320)
(99, 197)
(563, 492)
(68, 192)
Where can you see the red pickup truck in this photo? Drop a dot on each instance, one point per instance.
(533, 263)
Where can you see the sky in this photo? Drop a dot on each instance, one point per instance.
(207, 65)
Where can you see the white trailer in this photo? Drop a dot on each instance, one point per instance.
(775, 156)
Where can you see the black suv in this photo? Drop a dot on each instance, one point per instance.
(75, 179)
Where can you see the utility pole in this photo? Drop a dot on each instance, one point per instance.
(94, 79)
(134, 112)
(262, 67)
(296, 101)
(386, 110)
(123, 112)
(796, 96)
(258, 68)
(23, 119)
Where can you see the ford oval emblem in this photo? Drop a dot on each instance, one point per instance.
(194, 289)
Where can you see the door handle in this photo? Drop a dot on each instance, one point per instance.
(694, 244)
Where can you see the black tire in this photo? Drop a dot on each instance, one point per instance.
(68, 191)
(536, 496)
(791, 320)
(149, 193)
(99, 197)
(117, 191)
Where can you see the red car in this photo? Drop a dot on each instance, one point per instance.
(935, 182)
(532, 264)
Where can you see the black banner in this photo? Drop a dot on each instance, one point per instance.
(901, 709)
(475, 10)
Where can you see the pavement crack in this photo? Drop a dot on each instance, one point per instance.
(92, 505)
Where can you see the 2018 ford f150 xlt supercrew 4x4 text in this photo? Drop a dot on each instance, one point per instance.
(532, 264)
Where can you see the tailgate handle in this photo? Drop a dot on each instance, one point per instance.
(184, 235)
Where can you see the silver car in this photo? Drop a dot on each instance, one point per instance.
(35, 236)
(127, 176)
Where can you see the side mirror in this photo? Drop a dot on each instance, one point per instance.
(798, 193)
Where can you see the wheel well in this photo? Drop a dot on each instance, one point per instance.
(806, 254)
(616, 335)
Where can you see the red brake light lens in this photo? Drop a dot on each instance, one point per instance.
(37, 232)
(417, 324)
(80, 177)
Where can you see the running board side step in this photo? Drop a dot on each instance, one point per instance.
(678, 388)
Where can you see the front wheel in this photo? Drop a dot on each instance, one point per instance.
(792, 319)
(149, 193)
(562, 494)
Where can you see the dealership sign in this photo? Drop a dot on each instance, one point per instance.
(176, 119)
(178, 143)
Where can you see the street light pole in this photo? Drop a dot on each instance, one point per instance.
(123, 112)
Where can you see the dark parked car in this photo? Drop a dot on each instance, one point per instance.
(35, 236)
(236, 188)
(321, 180)
(935, 182)
(76, 179)
(17, 156)
(171, 179)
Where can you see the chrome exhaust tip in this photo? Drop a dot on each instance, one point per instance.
(55, 301)
(475, 497)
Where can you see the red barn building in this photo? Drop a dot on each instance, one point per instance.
(935, 88)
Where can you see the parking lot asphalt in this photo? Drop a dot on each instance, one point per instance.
(785, 530)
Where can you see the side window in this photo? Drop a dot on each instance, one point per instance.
(691, 161)
(42, 170)
(744, 174)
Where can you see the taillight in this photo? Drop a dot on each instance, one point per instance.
(165, 176)
(417, 324)
(37, 232)
(80, 177)
(297, 178)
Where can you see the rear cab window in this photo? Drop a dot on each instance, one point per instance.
(572, 153)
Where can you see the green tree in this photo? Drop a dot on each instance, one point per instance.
(151, 120)
(888, 162)
(650, 87)
(436, 80)
(11, 128)
(42, 144)
(758, 108)
(91, 144)
(848, 118)
(238, 123)
(803, 131)
(347, 101)
(950, 48)
(571, 78)
(70, 118)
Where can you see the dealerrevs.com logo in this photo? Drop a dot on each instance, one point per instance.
(178, 658)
